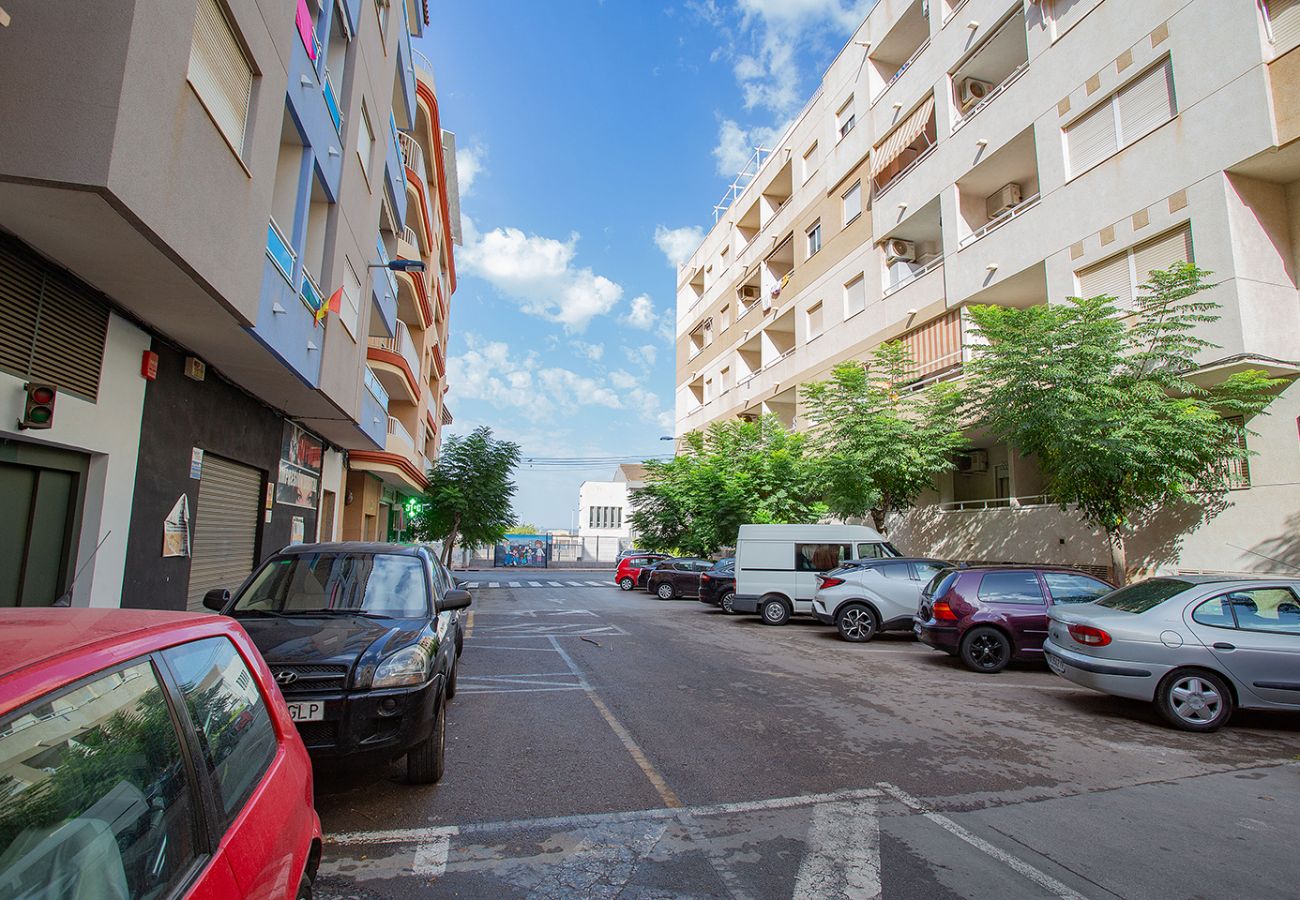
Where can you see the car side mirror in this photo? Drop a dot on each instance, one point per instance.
(457, 599)
(216, 599)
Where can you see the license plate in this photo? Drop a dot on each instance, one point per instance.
(916, 629)
(1055, 664)
(309, 711)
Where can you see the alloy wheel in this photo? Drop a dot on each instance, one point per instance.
(728, 603)
(987, 651)
(857, 624)
(1195, 700)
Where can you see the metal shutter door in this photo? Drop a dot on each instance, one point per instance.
(1110, 278)
(1147, 103)
(1162, 252)
(220, 73)
(1284, 20)
(1092, 138)
(225, 527)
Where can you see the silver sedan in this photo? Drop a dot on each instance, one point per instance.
(1196, 646)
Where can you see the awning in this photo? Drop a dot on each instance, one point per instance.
(901, 137)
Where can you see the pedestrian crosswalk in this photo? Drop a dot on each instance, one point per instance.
(502, 583)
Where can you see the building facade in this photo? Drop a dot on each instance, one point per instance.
(605, 510)
(170, 242)
(962, 152)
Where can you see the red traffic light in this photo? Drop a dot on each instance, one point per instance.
(38, 410)
(43, 395)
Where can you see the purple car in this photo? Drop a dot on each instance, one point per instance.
(990, 615)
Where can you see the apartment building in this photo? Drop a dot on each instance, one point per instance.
(1017, 152)
(183, 188)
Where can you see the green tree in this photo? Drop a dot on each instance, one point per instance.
(728, 475)
(1106, 407)
(468, 498)
(879, 444)
(523, 528)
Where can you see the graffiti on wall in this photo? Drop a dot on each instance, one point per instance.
(531, 551)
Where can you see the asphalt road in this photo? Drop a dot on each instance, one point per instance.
(606, 744)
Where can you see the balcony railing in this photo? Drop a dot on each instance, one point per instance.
(402, 345)
(376, 389)
(383, 260)
(409, 235)
(422, 60)
(332, 103)
(931, 264)
(1015, 212)
(398, 430)
(991, 96)
(311, 292)
(901, 69)
(279, 251)
(412, 152)
(1037, 500)
(906, 170)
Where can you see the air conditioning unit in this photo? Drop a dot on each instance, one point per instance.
(899, 251)
(971, 91)
(1003, 200)
(748, 292)
(973, 462)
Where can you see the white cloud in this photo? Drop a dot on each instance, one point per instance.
(736, 145)
(678, 244)
(491, 371)
(593, 352)
(643, 313)
(539, 272)
(644, 355)
(469, 166)
(578, 390)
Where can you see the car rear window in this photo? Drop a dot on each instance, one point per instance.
(941, 583)
(1069, 588)
(1138, 598)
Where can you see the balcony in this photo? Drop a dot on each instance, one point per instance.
(899, 49)
(999, 189)
(280, 251)
(990, 69)
(374, 408)
(395, 174)
(399, 435)
(396, 363)
(310, 293)
(383, 288)
(904, 148)
(332, 103)
(412, 153)
(309, 98)
(412, 241)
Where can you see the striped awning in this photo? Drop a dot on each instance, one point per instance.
(901, 137)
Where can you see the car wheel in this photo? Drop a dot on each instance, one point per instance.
(857, 623)
(451, 680)
(728, 603)
(627, 584)
(775, 612)
(665, 591)
(304, 888)
(985, 650)
(460, 641)
(425, 761)
(1194, 700)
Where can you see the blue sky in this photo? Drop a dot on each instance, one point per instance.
(594, 139)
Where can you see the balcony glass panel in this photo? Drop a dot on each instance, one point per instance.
(375, 388)
(332, 103)
(278, 249)
(311, 293)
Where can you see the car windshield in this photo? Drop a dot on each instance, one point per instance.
(380, 584)
(1138, 598)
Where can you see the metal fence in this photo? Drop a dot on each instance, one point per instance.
(565, 553)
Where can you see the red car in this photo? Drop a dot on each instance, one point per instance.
(628, 574)
(147, 754)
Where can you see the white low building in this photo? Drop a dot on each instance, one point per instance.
(605, 511)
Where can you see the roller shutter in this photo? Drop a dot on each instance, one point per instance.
(1147, 103)
(1162, 252)
(1284, 22)
(1110, 278)
(220, 73)
(1092, 138)
(225, 527)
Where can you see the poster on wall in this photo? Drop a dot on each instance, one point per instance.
(528, 551)
(300, 462)
(296, 530)
(176, 529)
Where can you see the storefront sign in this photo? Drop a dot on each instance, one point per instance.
(300, 462)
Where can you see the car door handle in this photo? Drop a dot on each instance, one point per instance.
(1224, 645)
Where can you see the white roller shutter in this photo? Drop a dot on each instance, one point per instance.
(1284, 21)
(1147, 103)
(220, 73)
(1162, 252)
(1110, 278)
(1065, 13)
(1092, 138)
(224, 548)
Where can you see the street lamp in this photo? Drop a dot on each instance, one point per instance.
(667, 437)
(400, 265)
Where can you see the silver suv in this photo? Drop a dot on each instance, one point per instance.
(864, 597)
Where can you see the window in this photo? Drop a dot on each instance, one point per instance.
(350, 304)
(97, 798)
(900, 571)
(697, 339)
(1065, 13)
(1129, 114)
(1266, 609)
(814, 237)
(229, 715)
(851, 200)
(855, 296)
(876, 550)
(1214, 613)
(386, 584)
(365, 140)
(1123, 275)
(844, 118)
(810, 161)
(219, 73)
(1238, 467)
(940, 583)
(1066, 588)
(926, 571)
(1138, 598)
(1017, 588)
(820, 557)
(724, 317)
(815, 324)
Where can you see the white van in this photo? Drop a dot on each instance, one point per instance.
(777, 565)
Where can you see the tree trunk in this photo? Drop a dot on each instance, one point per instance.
(878, 515)
(1118, 558)
(450, 543)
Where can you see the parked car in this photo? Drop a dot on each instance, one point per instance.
(678, 578)
(1195, 646)
(362, 643)
(990, 615)
(718, 585)
(629, 568)
(865, 597)
(147, 754)
(643, 574)
(777, 565)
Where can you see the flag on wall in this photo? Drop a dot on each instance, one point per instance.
(333, 305)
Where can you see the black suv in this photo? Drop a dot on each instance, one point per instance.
(361, 638)
(718, 585)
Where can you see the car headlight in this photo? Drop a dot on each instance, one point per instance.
(407, 666)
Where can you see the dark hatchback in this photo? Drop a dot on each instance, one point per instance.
(361, 639)
(989, 616)
(675, 578)
(718, 585)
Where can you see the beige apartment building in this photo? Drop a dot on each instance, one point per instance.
(1017, 152)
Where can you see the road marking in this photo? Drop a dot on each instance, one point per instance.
(629, 743)
(494, 584)
(842, 858)
(429, 834)
(515, 584)
(596, 583)
(554, 600)
(471, 584)
(522, 649)
(555, 584)
(431, 858)
(1039, 877)
(534, 584)
(540, 690)
(469, 624)
(575, 583)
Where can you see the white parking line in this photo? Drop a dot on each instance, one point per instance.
(555, 584)
(471, 584)
(431, 858)
(495, 584)
(534, 584)
(575, 583)
(596, 583)
(843, 856)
